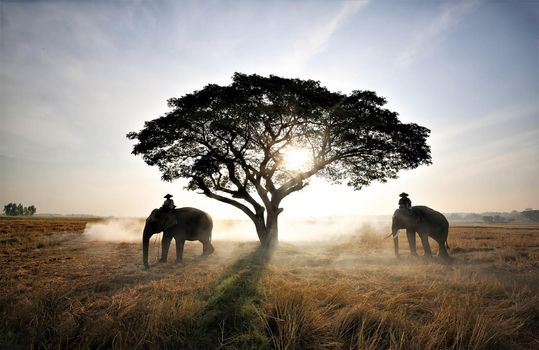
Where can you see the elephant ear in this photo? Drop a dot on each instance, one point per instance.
(153, 215)
(169, 220)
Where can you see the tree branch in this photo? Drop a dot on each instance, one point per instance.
(207, 192)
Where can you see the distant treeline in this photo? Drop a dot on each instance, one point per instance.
(531, 214)
(13, 209)
(527, 216)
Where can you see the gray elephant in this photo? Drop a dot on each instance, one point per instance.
(426, 222)
(182, 224)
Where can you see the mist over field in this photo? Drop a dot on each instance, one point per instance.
(290, 230)
(118, 229)
(115, 230)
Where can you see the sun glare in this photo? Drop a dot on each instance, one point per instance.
(296, 158)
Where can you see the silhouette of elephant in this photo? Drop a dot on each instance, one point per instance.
(426, 222)
(182, 224)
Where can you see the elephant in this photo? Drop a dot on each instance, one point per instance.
(426, 222)
(182, 224)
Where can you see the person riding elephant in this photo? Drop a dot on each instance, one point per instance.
(168, 204)
(180, 224)
(426, 222)
(404, 201)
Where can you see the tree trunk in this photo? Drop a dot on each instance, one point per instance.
(272, 229)
(267, 229)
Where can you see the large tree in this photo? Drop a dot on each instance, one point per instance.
(229, 141)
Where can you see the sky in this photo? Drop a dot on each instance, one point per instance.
(76, 76)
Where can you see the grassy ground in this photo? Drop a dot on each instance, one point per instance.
(59, 290)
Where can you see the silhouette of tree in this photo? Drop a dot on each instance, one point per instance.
(13, 209)
(29, 211)
(10, 209)
(531, 214)
(230, 140)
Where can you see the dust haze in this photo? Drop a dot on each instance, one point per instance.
(115, 230)
(290, 230)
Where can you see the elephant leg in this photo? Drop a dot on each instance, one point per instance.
(443, 251)
(396, 244)
(207, 247)
(443, 243)
(411, 241)
(425, 243)
(179, 249)
(165, 245)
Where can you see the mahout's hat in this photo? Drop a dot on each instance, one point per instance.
(167, 196)
(403, 194)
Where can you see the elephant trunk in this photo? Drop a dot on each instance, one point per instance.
(145, 245)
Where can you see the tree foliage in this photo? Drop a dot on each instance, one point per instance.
(229, 141)
(13, 209)
(531, 214)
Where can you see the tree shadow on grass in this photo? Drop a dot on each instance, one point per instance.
(231, 318)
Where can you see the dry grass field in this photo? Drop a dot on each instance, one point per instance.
(60, 290)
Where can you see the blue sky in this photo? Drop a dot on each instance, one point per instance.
(75, 77)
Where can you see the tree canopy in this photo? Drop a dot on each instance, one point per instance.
(13, 209)
(229, 141)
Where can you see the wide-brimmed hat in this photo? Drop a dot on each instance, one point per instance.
(403, 194)
(167, 196)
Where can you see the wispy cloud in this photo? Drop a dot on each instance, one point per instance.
(494, 118)
(317, 40)
(451, 14)
(509, 156)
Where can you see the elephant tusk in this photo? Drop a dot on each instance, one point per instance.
(391, 234)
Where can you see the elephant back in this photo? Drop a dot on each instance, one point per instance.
(191, 212)
(195, 219)
(427, 214)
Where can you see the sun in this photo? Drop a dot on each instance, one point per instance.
(296, 159)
